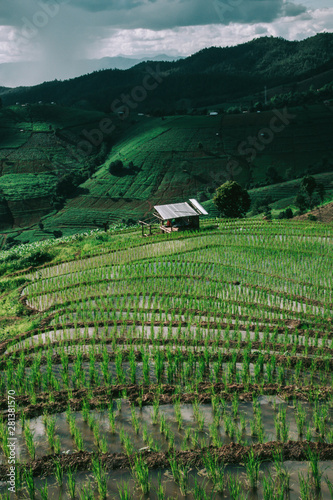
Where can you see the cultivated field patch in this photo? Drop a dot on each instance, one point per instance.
(197, 367)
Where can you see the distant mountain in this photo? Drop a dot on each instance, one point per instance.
(33, 73)
(211, 76)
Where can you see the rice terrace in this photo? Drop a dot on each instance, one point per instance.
(166, 252)
(196, 365)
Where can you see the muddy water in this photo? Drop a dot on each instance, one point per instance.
(195, 428)
(123, 420)
(117, 479)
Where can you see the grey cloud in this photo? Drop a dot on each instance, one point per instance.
(260, 30)
(293, 10)
(156, 14)
(162, 14)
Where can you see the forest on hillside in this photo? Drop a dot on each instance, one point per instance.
(208, 77)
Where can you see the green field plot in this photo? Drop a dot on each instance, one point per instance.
(36, 151)
(194, 365)
(22, 186)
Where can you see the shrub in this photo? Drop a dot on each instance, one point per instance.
(289, 213)
(36, 258)
(116, 167)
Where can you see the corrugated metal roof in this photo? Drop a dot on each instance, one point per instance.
(198, 207)
(175, 211)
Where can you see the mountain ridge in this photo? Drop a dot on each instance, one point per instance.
(11, 71)
(210, 76)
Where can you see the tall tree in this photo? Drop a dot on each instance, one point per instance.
(232, 200)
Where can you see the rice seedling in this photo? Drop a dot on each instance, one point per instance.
(235, 488)
(199, 492)
(86, 492)
(300, 419)
(316, 473)
(74, 430)
(119, 405)
(4, 435)
(179, 418)
(135, 421)
(44, 491)
(156, 408)
(281, 426)
(252, 467)
(126, 442)
(160, 490)
(215, 470)
(30, 484)
(140, 472)
(29, 440)
(85, 410)
(71, 482)
(124, 491)
(282, 480)
(58, 472)
(19, 479)
(305, 487)
(99, 471)
(308, 434)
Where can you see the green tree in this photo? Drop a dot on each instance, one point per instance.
(305, 198)
(272, 176)
(232, 200)
(309, 185)
(289, 213)
(321, 191)
(301, 202)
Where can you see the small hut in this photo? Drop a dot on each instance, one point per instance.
(179, 216)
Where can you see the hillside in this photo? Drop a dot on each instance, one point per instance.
(209, 77)
(164, 160)
(170, 166)
(36, 154)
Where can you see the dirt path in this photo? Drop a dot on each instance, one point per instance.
(167, 394)
(228, 454)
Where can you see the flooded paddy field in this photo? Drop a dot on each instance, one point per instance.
(196, 368)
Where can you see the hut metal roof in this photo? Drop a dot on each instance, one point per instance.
(199, 208)
(175, 211)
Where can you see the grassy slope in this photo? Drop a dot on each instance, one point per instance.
(15, 318)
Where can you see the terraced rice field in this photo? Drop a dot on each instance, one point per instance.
(199, 366)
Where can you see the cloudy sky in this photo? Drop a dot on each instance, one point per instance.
(58, 31)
